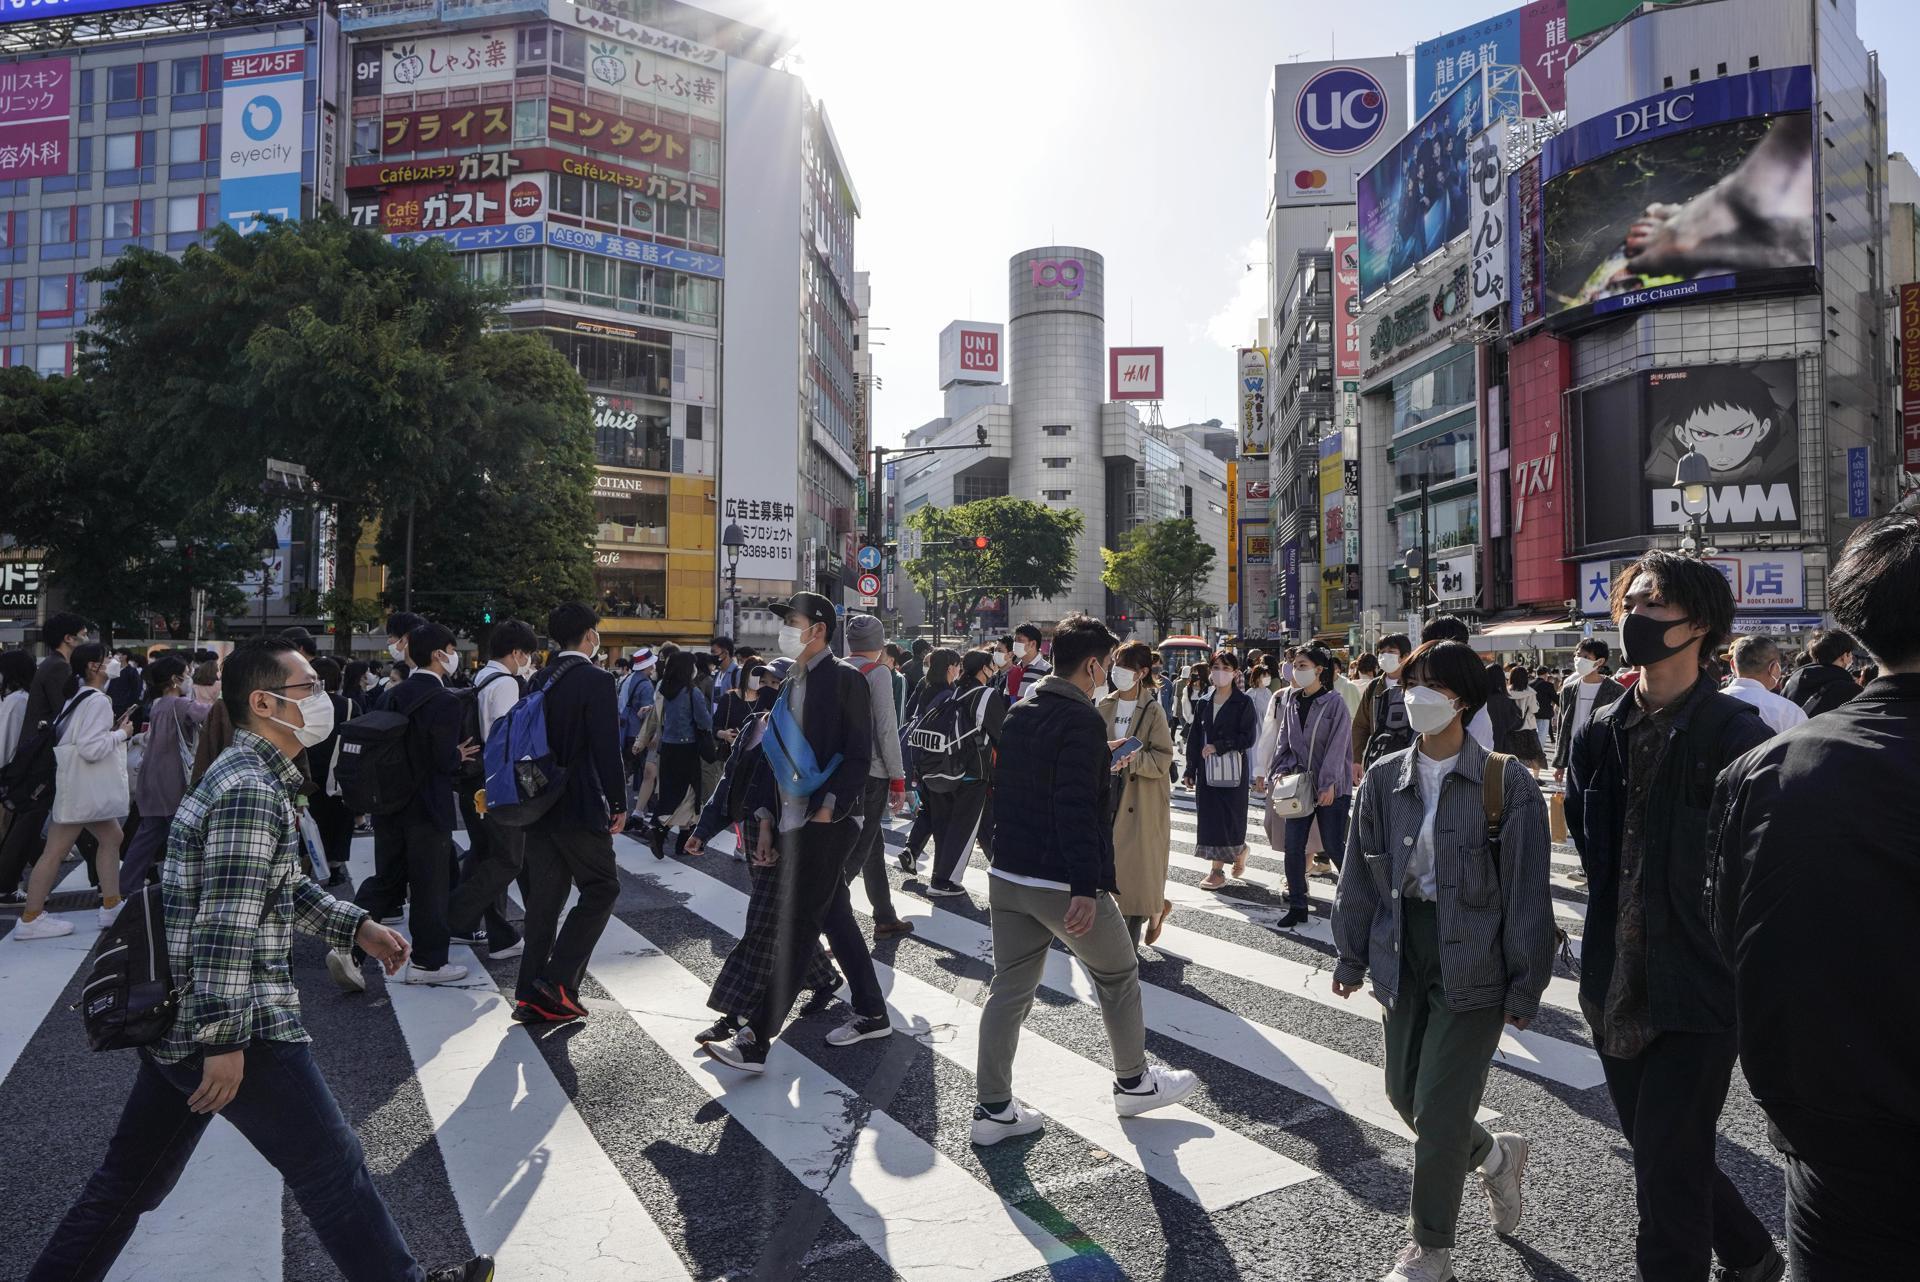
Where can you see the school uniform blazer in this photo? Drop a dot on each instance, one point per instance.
(583, 730)
(436, 714)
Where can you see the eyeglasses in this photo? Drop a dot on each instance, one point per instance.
(307, 688)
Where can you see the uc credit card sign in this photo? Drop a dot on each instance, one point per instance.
(261, 134)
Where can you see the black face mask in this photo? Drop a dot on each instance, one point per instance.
(1645, 639)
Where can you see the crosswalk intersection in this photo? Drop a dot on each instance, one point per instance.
(612, 1149)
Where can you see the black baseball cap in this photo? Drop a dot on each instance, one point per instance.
(812, 607)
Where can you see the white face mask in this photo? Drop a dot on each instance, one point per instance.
(791, 643)
(450, 663)
(1583, 666)
(1302, 675)
(1389, 662)
(369, 681)
(398, 650)
(1428, 711)
(753, 685)
(1022, 650)
(113, 668)
(999, 658)
(1221, 679)
(1124, 679)
(316, 709)
(525, 669)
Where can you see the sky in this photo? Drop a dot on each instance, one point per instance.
(1132, 127)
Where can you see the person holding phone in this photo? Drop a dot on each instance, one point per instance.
(1140, 739)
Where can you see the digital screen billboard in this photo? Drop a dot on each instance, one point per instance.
(1694, 192)
(40, 10)
(1415, 199)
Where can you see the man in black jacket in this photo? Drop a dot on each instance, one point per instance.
(1816, 858)
(820, 783)
(572, 844)
(1824, 683)
(1653, 984)
(53, 684)
(1584, 694)
(1053, 878)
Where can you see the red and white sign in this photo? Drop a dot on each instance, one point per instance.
(1346, 306)
(970, 353)
(674, 189)
(1136, 373)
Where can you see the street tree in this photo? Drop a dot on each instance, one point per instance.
(1029, 552)
(1162, 571)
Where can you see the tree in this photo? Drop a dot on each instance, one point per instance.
(314, 342)
(1162, 571)
(1029, 552)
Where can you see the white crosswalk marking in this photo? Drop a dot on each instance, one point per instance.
(33, 974)
(1206, 1162)
(173, 1241)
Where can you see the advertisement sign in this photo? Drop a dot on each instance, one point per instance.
(1764, 579)
(605, 131)
(1334, 608)
(619, 67)
(1257, 574)
(647, 38)
(1350, 485)
(1741, 417)
(1330, 121)
(1701, 190)
(1136, 373)
(1532, 38)
(36, 103)
(1546, 51)
(1289, 587)
(1233, 523)
(447, 62)
(1415, 199)
(1910, 375)
(40, 10)
(1596, 588)
(476, 166)
(1584, 17)
(1346, 306)
(260, 134)
(1859, 489)
(446, 128)
(627, 249)
(20, 585)
(1390, 333)
(1256, 437)
(1487, 269)
(436, 206)
(1456, 578)
(970, 353)
(1524, 269)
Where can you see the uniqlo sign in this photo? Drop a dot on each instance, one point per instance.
(980, 351)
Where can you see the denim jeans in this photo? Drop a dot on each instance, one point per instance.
(286, 1112)
(1333, 837)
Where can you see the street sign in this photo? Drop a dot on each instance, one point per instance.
(869, 602)
(869, 557)
(869, 584)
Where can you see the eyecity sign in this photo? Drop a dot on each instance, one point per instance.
(1341, 110)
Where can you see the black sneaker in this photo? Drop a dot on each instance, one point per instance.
(946, 888)
(532, 1012)
(478, 1269)
(557, 999)
(718, 1031)
(14, 899)
(743, 1051)
(1771, 1268)
(657, 842)
(1295, 918)
(821, 1000)
(908, 859)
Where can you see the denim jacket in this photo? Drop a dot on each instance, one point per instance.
(1495, 910)
(680, 715)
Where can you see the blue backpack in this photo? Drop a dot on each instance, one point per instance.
(523, 779)
(790, 757)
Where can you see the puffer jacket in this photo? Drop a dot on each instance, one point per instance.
(1051, 809)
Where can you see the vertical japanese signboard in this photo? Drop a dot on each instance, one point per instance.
(1487, 169)
(261, 128)
(1255, 439)
(1346, 306)
(1910, 376)
(36, 103)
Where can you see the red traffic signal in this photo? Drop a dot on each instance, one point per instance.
(980, 542)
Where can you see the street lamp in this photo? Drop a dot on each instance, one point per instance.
(734, 542)
(1691, 477)
(1415, 560)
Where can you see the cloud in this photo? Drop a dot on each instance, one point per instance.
(1237, 321)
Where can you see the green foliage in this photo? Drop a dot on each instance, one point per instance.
(1029, 553)
(1162, 572)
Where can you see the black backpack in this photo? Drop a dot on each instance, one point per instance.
(129, 1000)
(1387, 735)
(949, 741)
(473, 774)
(26, 782)
(379, 763)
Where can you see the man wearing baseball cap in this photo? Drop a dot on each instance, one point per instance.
(817, 749)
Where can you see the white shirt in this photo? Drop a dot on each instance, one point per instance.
(1481, 728)
(1124, 709)
(1039, 882)
(497, 694)
(13, 710)
(1779, 713)
(1584, 695)
(1420, 882)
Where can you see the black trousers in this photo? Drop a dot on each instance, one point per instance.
(922, 830)
(1846, 1223)
(679, 772)
(870, 853)
(412, 865)
(1669, 1099)
(21, 846)
(957, 819)
(335, 818)
(558, 860)
(813, 901)
(494, 859)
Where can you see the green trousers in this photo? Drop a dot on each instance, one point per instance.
(1437, 1062)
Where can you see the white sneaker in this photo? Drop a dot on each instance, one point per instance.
(45, 926)
(349, 977)
(1417, 1263)
(107, 916)
(1503, 1186)
(991, 1128)
(1158, 1088)
(514, 949)
(447, 974)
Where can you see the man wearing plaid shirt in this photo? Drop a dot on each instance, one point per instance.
(234, 891)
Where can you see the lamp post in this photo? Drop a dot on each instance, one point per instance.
(734, 542)
(1691, 477)
(1416, 560)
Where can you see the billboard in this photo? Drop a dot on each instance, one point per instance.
(1532, 38)
(446, 128)
(1255, 436)
(681, 83)
(1346, 306)
(439, 206)
(1136, 373)
(1584, 17)
(480, 166)
(1335, 610)
(446, 62)
(261, 133)
(36, 102)
(1330, 120)
(1694, 192)
(41, 10)
(639, 140)
(1415, 200)
(1743, 418)
(1487, 171)
(1910, 375)
(970, 353)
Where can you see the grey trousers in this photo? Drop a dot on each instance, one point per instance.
(1026, 921)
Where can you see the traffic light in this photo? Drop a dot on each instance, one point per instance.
(486, 613)
(980, 542)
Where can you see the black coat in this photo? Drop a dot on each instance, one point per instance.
(835, 717)
(1235, 727)
(436, 715)
(1689, 984)
(1051, 810)
(583, 730)
(125, 689)
(1570, 707)
(1818, 890)
(1821, 687)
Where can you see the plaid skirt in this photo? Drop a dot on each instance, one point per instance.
(743, 976)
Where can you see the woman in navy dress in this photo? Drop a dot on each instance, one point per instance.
(1223, 723)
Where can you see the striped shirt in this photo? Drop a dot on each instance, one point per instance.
(234, 891)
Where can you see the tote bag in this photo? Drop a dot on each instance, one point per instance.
(89, 791)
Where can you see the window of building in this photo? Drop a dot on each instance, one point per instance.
(1434, 391)
(1057, 429)
(1055, 462)
(123, 82)
(184, 146)
(83, 94)
(586, 198)
(531, 43)
(56, 296)
(121, 220)
(123, 151)
(1056, 496)
(66, 233)
(366, 141)
(630, 509)
(1450, 523)
(696, 422)
(189, 76)
(703, 157)
(633, 432)
(968, 489)
(50, 359)
(639, 592)
(183, 214)
(529, 119)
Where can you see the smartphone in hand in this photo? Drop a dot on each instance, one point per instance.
(1127, 748)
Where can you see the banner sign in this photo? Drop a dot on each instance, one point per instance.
(1346, 306)
(634, 139)
(20, 585)
(605, 244)
(1524, 272)
(446, 128)
(1532, 38)
(437, 206)
(1415, 199)
(1255, 438)
(1764, 579)
(448, 62)
(673, 189)
(1136, 373)
(36, 104)
(261, 136)
(1910, 375)
(647, 38)
(1488, 267)
(1330, 121)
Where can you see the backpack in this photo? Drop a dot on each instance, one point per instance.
(1386, 736)
(129, 999)
(378, 763)
(523, 779)
(948, 741)
(471, 774)
(27, 780)
(1493, 804)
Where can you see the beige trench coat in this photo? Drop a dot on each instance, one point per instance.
(1143, 829)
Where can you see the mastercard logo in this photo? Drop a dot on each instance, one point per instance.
(1310, 180)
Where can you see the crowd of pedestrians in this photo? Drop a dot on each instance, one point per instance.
(1706, 787)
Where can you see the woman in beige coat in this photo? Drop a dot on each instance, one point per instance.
(1142, 822)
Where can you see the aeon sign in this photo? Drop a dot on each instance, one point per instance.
(1064, 273)
(1340, 111)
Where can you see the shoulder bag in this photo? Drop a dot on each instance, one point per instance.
(1293, 795)
(1225, 769)
(89, 791)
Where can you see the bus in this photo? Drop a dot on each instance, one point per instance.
(1182, 652)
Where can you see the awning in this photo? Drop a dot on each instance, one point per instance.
(1548, 632)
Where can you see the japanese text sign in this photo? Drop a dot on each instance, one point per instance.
(36, 100)
(445, 62)
(446, 128)
(605, 131)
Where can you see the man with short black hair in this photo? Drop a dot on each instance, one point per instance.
(1587, 691)
(1827, 813)
(234, 890)
(1825, 683)
(726, 672)
(886, 788)
(494, 851)
(1027, 664)
(1053, 878)
(1380, 722)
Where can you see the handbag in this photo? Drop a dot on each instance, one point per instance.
(1293, 796)
(1223, 769)
(89, 791)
